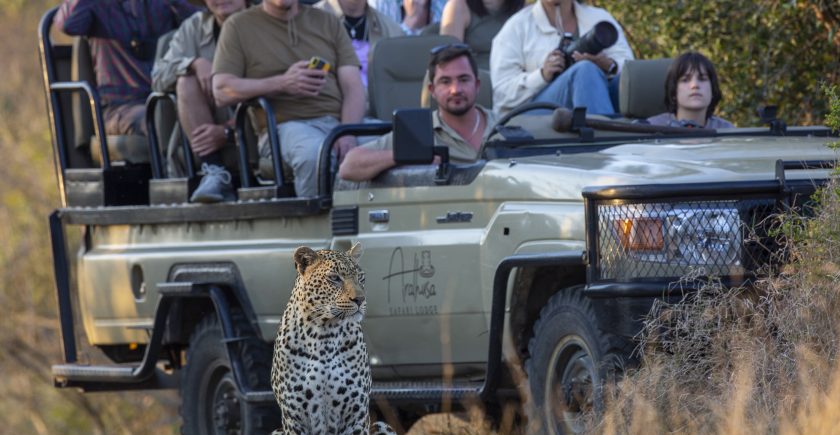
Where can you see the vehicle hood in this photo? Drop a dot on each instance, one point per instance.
(666, 161)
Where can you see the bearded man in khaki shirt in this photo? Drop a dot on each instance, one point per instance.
(265, 51)
(459, 123)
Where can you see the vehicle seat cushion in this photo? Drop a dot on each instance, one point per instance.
(397, 68)
(266, 171)
(128, 148)
(642, 87)
(81, 69)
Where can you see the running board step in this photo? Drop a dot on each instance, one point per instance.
(110, 378)
(425, 391)
(415, 391)
(86, 373)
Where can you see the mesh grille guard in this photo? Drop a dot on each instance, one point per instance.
(659, 233)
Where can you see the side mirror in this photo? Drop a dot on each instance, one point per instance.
(414, 142)
(414, 138)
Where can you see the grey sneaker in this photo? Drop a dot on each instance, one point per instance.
(214, 187)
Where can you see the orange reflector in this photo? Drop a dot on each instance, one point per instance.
(640, 234)
(132, 346)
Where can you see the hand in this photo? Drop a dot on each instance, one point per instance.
(555, 63)
(203, 70)
(600, 59)
(343, 145)
(302, 81)
(208, 138)
(416, 13)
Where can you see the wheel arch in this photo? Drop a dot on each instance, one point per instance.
(531, 289)
(185, 314)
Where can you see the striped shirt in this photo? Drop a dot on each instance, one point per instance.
(113, 27)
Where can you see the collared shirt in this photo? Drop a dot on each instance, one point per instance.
(393, 9)
(668, 119)
(460, 151)
(521, 47)
(192, 40)
(121, 77)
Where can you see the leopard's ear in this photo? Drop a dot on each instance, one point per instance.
(304, 257)
(356, 251)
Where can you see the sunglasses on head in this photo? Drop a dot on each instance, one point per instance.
(457, 46)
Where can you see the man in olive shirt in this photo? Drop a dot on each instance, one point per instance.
(459, 123)
(264, 51)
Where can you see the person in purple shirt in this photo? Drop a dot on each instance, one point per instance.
(123, 37)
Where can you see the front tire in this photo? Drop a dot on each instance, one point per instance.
(570, 361)
(210, 400)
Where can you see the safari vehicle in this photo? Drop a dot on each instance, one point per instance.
(531, 266)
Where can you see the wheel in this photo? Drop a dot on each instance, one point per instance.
(570, 360)
(210, 399)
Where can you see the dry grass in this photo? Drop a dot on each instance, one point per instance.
(762, 360)
(733, 361)
(29, 333)
(740, 363)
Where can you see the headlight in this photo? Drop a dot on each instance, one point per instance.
(706, 237)
(668, 239)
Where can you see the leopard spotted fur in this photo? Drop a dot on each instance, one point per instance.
(320, 374)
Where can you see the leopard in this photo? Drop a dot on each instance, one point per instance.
(320, 372)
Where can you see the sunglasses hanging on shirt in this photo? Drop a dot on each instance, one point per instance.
(356, 27)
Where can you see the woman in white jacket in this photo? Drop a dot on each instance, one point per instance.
(526, 63)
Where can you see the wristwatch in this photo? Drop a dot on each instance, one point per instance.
(230, 134)
(613, 68)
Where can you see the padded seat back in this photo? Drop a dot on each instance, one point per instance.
(642, 87)
(166, 116)
(396, 72)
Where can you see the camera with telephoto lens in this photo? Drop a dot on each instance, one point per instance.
(602, 36)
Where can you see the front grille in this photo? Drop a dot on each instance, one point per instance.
(729, 235)
(656, 240)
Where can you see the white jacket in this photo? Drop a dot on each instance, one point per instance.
(520, 48)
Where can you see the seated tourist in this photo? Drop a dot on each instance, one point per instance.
(476, 22)
(123, 38)
(458, 122)
(413, 15)
(365, 25)
(527, 65)
(186, 68)
(692, 93)
(266, 51)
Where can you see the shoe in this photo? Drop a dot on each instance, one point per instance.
(215, 186)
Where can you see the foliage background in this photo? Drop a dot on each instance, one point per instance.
(766, 51)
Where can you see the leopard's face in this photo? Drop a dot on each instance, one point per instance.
(332, 283)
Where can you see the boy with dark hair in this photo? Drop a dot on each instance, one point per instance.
(692, 93)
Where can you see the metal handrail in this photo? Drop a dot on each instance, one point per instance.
(241, 116)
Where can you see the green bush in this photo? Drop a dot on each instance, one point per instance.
(766, 51)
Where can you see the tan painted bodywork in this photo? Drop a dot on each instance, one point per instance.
(429, 284)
